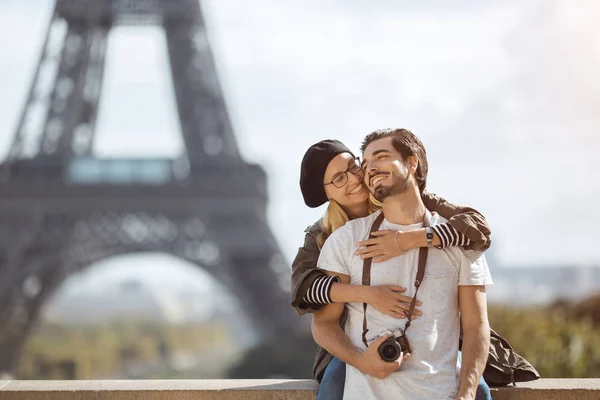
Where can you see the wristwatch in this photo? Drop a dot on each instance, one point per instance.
(429, 236)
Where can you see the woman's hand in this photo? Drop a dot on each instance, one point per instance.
(385, 245)
(388, 300)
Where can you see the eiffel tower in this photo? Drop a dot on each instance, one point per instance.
(62, 209)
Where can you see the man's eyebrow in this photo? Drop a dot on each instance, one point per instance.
(376, 152)
(380, 151)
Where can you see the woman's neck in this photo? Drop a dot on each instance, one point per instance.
(357, 210)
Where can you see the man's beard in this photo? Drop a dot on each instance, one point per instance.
(399, 186)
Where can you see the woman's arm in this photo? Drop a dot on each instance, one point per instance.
(312, 288)
(466, 227)
(307, 280)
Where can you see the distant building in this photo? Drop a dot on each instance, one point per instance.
(524, 285)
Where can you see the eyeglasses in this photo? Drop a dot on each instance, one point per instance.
(341, 178)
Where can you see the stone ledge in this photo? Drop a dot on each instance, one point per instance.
(544, 389)
(550, 389)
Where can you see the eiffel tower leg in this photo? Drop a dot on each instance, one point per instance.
(27, 141)
(89, 98)
(60, 118)
(205, 124)
(20, 308)
(268, 307)
(71, 118)
(258, 270)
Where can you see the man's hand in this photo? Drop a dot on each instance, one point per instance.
(371, 364)
(382, 247)
(387, 300)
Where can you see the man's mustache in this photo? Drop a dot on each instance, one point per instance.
(373, 176)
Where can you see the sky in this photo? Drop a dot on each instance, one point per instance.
(504, 94)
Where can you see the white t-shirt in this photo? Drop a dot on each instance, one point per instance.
(430, 373)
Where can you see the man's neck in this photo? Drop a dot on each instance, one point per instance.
(404, 209)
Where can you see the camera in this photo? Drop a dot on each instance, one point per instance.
(396, 343)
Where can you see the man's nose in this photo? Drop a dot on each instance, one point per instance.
(369, 172)
(370, 169)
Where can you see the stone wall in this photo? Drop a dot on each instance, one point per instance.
(543, 389)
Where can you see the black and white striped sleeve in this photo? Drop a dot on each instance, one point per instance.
(319, 291)
(450, 236)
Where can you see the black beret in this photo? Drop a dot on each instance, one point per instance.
(312, 172)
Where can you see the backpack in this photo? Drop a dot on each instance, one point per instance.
(504, 366)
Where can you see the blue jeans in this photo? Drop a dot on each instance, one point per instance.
(332, 384)
(483, 391)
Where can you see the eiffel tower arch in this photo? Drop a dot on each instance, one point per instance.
(62, 209)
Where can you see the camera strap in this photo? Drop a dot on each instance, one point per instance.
(366, 273)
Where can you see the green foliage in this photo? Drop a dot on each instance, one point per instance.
(560, 340)
(286, 357)
(93, 352)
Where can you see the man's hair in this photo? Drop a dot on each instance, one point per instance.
(407, 144)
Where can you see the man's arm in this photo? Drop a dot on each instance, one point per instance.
(328, 334)
(476, 338)
(466, 227)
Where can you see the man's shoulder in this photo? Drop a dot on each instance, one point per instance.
(462, 256)
(437, 219)
(360, 226)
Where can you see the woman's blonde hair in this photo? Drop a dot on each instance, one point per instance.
(335, 217)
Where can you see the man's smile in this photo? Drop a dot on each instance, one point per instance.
(377, 178)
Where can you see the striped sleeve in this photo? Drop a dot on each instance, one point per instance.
(319, 291)
(450, 236)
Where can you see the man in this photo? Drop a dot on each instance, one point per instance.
(395, 166)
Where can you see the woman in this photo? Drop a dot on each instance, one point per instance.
(330, 173)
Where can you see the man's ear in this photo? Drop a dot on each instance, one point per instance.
(412, 163)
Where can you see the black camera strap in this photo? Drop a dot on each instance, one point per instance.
(366, 273)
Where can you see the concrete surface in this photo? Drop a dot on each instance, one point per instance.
(286, 389)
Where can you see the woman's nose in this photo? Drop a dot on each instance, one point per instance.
(353, 178)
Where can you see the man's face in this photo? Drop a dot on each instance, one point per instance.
(386, 174)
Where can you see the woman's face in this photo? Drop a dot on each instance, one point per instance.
(349, 190)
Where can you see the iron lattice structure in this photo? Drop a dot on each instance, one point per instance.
(62, 209)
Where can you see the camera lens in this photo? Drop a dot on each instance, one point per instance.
(389, 351)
